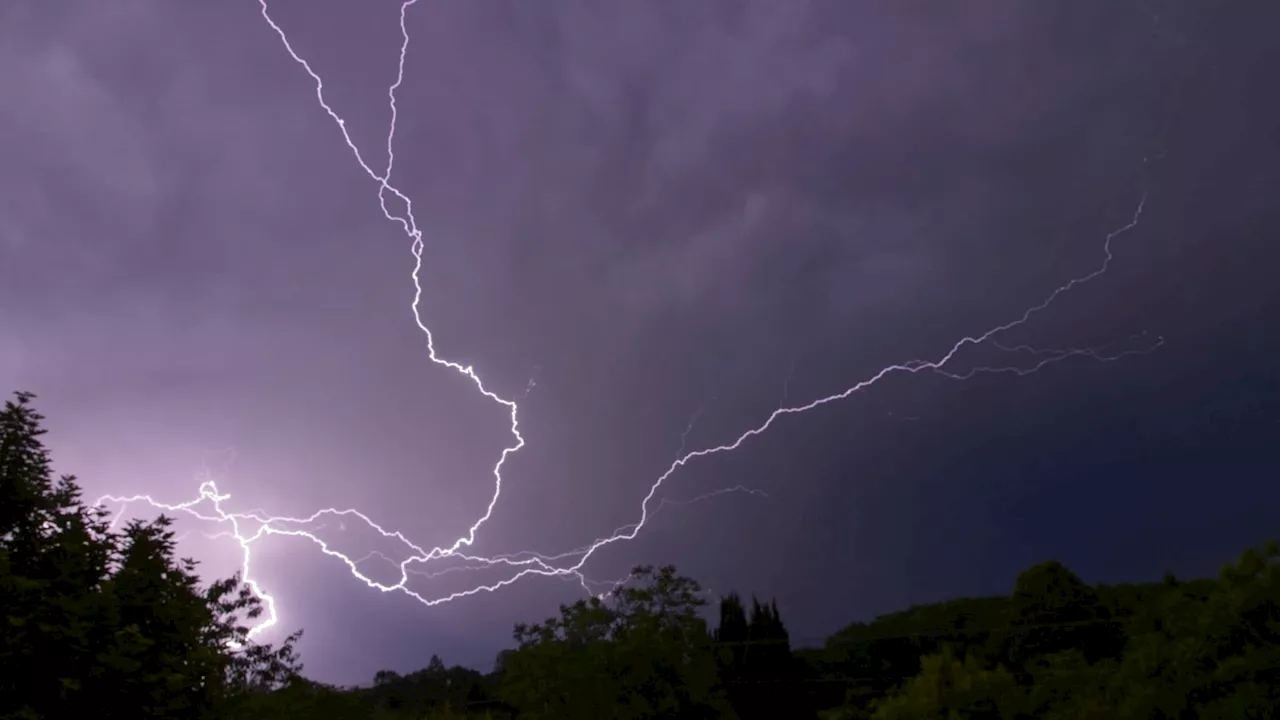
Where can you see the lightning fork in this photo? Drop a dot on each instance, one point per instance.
(527, 563)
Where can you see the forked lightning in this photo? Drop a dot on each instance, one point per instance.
(248, 527)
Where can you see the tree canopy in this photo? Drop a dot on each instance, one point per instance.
(95, 617)
(112, 622)
(642, 651)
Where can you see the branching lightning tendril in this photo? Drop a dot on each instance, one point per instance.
(248, 527)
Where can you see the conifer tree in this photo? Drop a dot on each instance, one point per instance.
(94, 617)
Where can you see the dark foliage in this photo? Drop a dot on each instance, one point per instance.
(110, 622)
(641, 652)
(754, 659)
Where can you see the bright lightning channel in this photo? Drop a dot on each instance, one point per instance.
(248, 527)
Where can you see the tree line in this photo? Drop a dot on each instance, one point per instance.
(112, 623)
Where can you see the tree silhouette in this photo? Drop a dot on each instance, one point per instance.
(1055, 611)
(643, 652)
(109, 622)
(96, 617)
(754, 659)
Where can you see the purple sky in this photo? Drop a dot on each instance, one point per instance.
(641, 213)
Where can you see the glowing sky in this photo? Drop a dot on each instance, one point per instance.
(636, 217)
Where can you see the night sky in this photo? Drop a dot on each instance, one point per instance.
(636, 216)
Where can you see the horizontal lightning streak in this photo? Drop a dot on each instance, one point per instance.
(248, 527)
(1048, 356)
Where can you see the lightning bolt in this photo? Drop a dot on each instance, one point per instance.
(248, 527)
(1048, 356)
